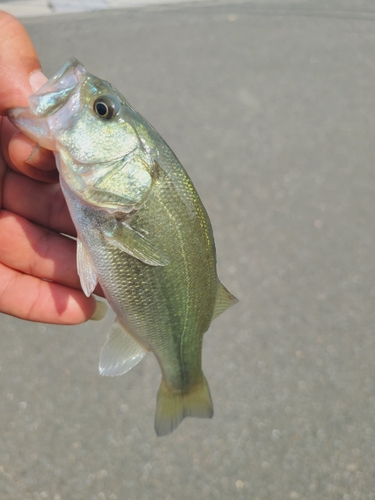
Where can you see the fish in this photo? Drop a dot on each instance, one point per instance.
(143, 234)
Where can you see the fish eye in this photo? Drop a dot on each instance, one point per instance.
(105, 107)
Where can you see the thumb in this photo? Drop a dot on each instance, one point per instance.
(18, 60)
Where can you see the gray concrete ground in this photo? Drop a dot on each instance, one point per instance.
(33, 8)
(270, 106)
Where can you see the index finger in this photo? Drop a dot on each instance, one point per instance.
(20, 76)
(18, 60)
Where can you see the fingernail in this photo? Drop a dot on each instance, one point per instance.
(41, 158)
(31, 157)
(100, 311)
(37, 80)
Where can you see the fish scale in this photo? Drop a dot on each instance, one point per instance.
(163, 319)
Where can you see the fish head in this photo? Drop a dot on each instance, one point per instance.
(79, 114)
(93, 131)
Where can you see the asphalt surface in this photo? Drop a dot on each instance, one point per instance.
(270, 107)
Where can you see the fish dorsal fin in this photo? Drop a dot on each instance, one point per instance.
(130, 241)
(86, 270)
(224, 300)
(120, 352)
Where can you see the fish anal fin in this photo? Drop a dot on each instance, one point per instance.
(130, 241)
(121, 352)
(224, 300)
(85, 268)
(173, 406)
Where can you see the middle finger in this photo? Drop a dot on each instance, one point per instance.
(41, 203)
(38, 252)
(25, 156)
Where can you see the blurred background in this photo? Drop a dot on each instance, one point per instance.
(270, 107)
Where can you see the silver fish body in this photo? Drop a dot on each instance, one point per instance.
(143, 234)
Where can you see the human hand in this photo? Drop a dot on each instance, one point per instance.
(38, 276)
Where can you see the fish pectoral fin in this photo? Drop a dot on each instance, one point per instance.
(85, 268)
(224, 300)
(130, 241)
(120, 352)
(172, 406)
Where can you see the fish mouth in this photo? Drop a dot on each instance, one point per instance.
(35, 121)
(55, 93)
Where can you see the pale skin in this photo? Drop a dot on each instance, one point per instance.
(38, 276)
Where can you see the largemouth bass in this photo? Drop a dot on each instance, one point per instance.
(142, 233)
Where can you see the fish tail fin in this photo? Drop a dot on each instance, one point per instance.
(172, 406)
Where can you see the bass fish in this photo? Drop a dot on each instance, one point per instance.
(142, 233)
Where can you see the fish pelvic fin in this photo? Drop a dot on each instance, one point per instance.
(224, 300)
(86, 271)
(173, 406)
